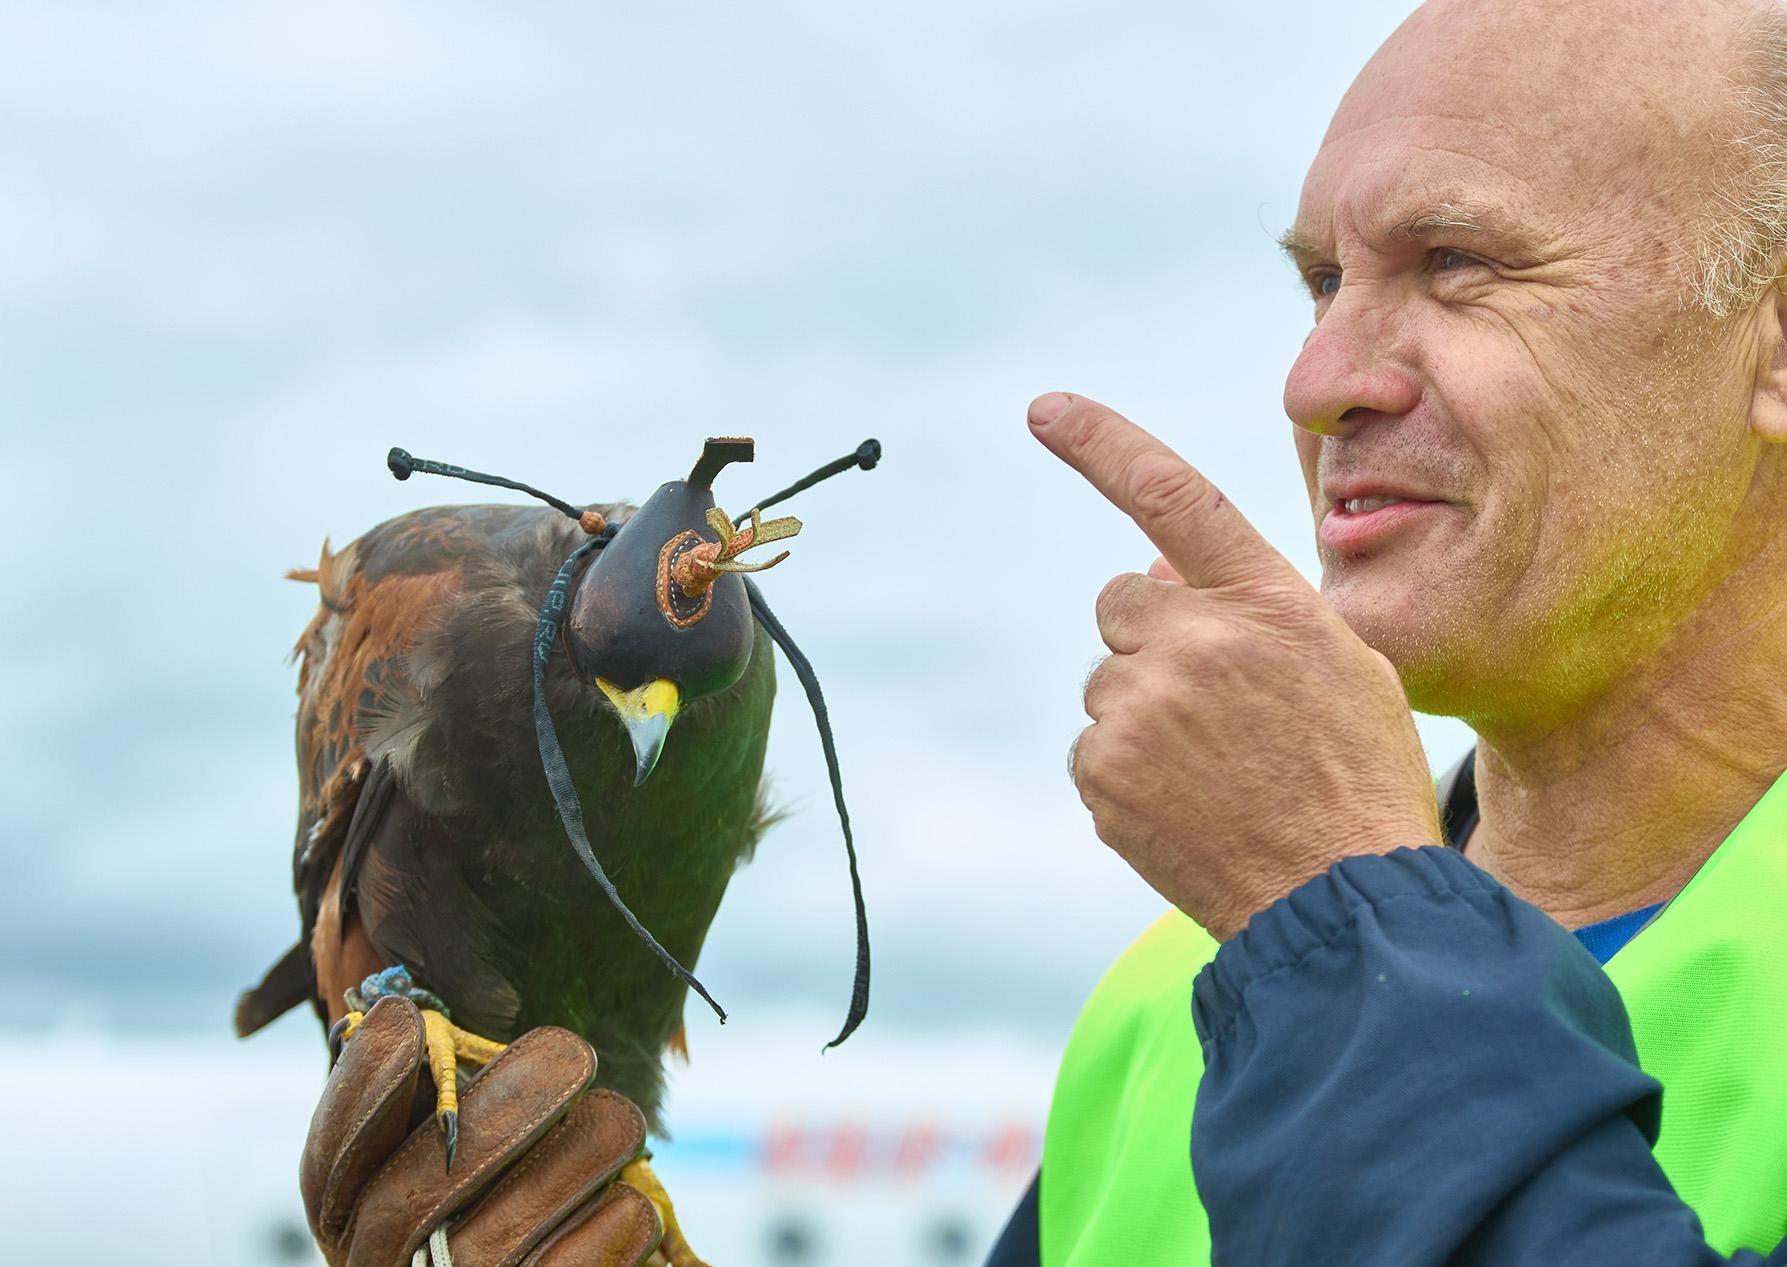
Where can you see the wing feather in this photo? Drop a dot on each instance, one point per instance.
(372, 678)
(380, 597)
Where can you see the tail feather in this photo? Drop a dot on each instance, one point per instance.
(288, 983)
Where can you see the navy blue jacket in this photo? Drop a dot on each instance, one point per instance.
(1408, 1065)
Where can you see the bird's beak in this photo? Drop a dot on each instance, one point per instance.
(647, 712)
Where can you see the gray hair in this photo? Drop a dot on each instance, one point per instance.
(1743, 237)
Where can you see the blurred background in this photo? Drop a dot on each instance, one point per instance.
(244, 249)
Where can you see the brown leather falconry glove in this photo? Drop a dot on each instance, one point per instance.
(535, 1180)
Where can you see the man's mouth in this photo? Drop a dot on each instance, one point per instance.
(1364, 505)
(1354, 525)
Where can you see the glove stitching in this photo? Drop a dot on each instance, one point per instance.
(561, 1141)
(595, 1183)
(558, 1142)
(652, 1238)
(421, 1138)
(391, 1079)
(619, 1192)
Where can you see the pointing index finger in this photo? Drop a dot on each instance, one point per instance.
(1196, 528)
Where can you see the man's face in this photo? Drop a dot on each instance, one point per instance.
(1497, 232)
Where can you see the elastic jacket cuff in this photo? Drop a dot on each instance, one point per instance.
(1316, 912)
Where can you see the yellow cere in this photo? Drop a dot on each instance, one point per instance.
(655, 699)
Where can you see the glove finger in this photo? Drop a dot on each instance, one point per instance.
(362, 1117)
(620, 1229)
(515, 1101)
(575, 1161)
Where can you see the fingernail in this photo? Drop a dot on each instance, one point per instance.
(1048, 407)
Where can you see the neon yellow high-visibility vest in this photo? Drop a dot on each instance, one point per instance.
(1704, 983)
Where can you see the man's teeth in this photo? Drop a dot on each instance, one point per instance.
(1362, 505)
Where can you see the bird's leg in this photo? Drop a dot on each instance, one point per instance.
(673, 1249)
(449, 1046)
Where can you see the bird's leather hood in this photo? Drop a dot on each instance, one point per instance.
(631, 623)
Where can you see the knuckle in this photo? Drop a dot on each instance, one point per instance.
(1119, 598)
(1104, 684)
(1165, 487)
(1286, 607)
(1083, 761)
(1113, 592)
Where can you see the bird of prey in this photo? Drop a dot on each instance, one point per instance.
(456, 650)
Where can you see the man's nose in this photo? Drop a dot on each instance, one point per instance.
(1347, 372)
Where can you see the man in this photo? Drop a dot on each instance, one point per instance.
(1540, 417)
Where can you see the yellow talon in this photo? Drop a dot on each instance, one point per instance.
(448, 1048)
(340, 1032)
(674, 1248)
(447, 1045)
(443, 1066)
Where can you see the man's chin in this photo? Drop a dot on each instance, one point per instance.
(1414, 617)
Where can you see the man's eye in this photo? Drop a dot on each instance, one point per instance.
(1446, 260)
(1325, 286)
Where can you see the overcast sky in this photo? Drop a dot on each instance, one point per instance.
(245, 249)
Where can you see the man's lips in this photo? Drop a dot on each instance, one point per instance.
(1358, 519)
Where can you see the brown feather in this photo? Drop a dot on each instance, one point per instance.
(340, 950)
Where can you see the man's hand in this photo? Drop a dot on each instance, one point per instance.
(1244, 739)
(534, 1178)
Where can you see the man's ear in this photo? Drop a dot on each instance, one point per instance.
(1768, 408)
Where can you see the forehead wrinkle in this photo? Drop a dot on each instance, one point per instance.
(1406, 190)
(1436, 219)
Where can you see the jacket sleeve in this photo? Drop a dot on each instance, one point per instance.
(1019, 1245)
(1407, 1064)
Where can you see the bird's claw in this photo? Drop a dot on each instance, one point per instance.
(446, 1046)
(340, 1032)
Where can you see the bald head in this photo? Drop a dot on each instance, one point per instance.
(1635, 101)
(1591, 60)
